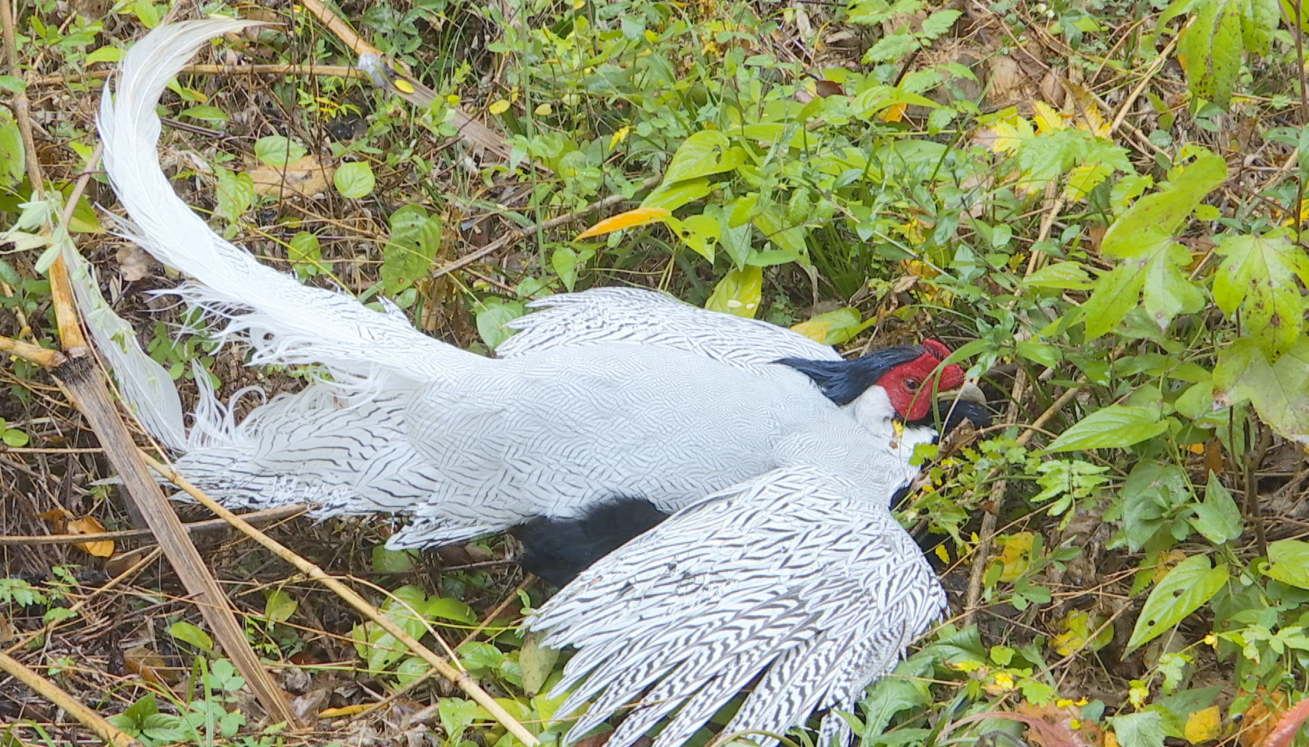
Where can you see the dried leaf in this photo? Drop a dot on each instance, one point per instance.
(630, 219)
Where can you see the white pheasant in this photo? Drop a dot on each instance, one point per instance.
(781, 534)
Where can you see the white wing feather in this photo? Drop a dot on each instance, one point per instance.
(790, 576)
(643, 317)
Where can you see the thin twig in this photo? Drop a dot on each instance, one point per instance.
(195, 527)
(57, 695)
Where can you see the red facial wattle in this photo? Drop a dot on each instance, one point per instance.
(911, 386)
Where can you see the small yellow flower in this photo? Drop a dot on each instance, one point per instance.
(1075, 723)
(1005, 680)
(1211, 640)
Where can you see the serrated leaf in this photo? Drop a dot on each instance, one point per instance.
(738, 293)
(1258, 276)
(354, 180)
(1184, 590)
(1288, 562)
(1213, 48)
(1060, 276)
(703, 153)
(641, 216)
(1115, 426)
(279, 150)
(1157, 216)
(1279, 391)
(1143, 729)
(185, 631)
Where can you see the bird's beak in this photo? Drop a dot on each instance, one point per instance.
(965, 403)
(969, 392)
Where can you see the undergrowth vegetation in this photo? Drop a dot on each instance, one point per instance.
(1097, 205)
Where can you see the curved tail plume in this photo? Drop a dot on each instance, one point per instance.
(284, 321)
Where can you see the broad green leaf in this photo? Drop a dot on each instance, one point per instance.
(673, 196)
(1258, 276)
(1143, 729)
(1167, 292)
(415, 240)
(1218, 518)
(13, 159)
(1213, 48)
(204, 113)
(236, 192)
(1259, 19)
(306, 254)
(1116, 294)
(1289, 562)
(1197, 400)
(704, 153)
(1060, 276)
(354, 180)
(279, 150)
(449, 609)
(700, 232)
(738, 292)
(493, 317)
(1184, 590)
(564, 262)
(1039, 352)
(537, 661)
(735, 240)
(279, 606)
(1278, 391)
(1157, 216)
(411, 669)
(1115, 426)
(185, 631)
(772, 223)
(391, 561)
(457, 715)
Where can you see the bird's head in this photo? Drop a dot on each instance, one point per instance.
(900, 382)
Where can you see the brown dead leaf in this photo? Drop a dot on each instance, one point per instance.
(1287, 726)
(309, 176)
(145, 663)
(1066, 726)
(133, 263)
(1261, 719)
(58, 517)
(92, 525)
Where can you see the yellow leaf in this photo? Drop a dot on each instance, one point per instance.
(894, 114)
(499, 107)
(91, 525)
(814, 330)
(629, 219)
(403, 86)
(943, 553)
(1196, 448)
(1006, 137)
(1047, 119)
(343, 711)
(1110, 739)
(543, 110)
(1014, 556)
(1166, 563)
(1203, 726)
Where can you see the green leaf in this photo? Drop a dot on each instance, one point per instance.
(13, 159)
(536, 662)
(1213, 48)
(564, 262)
(354, 180)
(279, 150)
(1059, 276)
(411, 669)
(1158, 215)
(391, 561)
(415, 240)
(477, 655)
(1167, 291)
(700, 232)
(449, 609)
(305, 254)
(834, 327)
(673, 196)
(1258, 276)
(738, 292)
(735, 240)
(1115, 426)
(457, 715)
(205, 113)
(1259, 19)
(1184, 590)
(1139, 729)
(1279, 391)
(236, 192)
(1218, 518)
(891, 47)
(185, 631)
(493, 318)
(1115, 295)
(704, 153)
(940, 22)
(14, 438)
(1289, 562)
(279, 606)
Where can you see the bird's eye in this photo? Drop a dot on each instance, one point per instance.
(911, 384)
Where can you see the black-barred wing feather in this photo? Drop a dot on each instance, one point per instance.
(785, 579)
(644, 317)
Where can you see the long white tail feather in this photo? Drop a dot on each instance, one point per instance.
(284, 321)
(143, 382)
